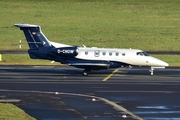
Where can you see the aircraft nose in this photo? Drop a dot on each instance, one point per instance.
(159, 63)
(164, 64)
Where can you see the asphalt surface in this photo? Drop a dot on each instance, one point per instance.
(63, 93)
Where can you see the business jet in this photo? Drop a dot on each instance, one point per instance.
(87, 58)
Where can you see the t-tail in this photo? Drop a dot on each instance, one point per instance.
(34, 36)
(41, 48)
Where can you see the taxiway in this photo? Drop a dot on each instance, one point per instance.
(59, 93)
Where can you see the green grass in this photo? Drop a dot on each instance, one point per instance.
(147, 25)
(150, 25)
(23, 59)
(11, 112)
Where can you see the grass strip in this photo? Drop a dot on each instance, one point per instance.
(11, 112)
(23, 59)
(150, 25)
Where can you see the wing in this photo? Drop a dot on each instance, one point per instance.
(93, 66)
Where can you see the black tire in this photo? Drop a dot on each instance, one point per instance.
(85, 73)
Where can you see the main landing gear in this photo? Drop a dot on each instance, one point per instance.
(85, 72)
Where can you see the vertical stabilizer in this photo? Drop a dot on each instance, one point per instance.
(34, 36)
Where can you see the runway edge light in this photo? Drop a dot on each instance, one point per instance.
(93, 99)
(124, 116)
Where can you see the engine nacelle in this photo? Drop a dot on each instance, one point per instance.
(67, 51)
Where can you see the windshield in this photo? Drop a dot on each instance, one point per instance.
(142, 54)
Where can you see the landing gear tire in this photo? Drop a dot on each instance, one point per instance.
(85, 73)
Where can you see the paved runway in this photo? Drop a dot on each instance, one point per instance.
(62, 93)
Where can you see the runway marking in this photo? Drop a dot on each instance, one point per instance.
(116, 106)
(105, 79)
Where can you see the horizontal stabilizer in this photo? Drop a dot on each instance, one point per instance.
(25, 25)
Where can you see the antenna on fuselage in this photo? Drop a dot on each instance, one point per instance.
(84, 46)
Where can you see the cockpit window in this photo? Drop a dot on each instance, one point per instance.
(145, 54)
(139, 54)
(142, 54)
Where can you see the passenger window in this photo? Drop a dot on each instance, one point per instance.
(86, 53)
(96, 53)
(123, 54)
(117, 54)
(104, 53)
(110, 53)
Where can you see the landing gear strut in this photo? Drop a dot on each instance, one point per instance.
(151, 71)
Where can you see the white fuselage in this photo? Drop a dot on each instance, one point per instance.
(129, 56)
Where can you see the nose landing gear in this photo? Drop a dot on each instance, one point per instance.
(151, 71)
